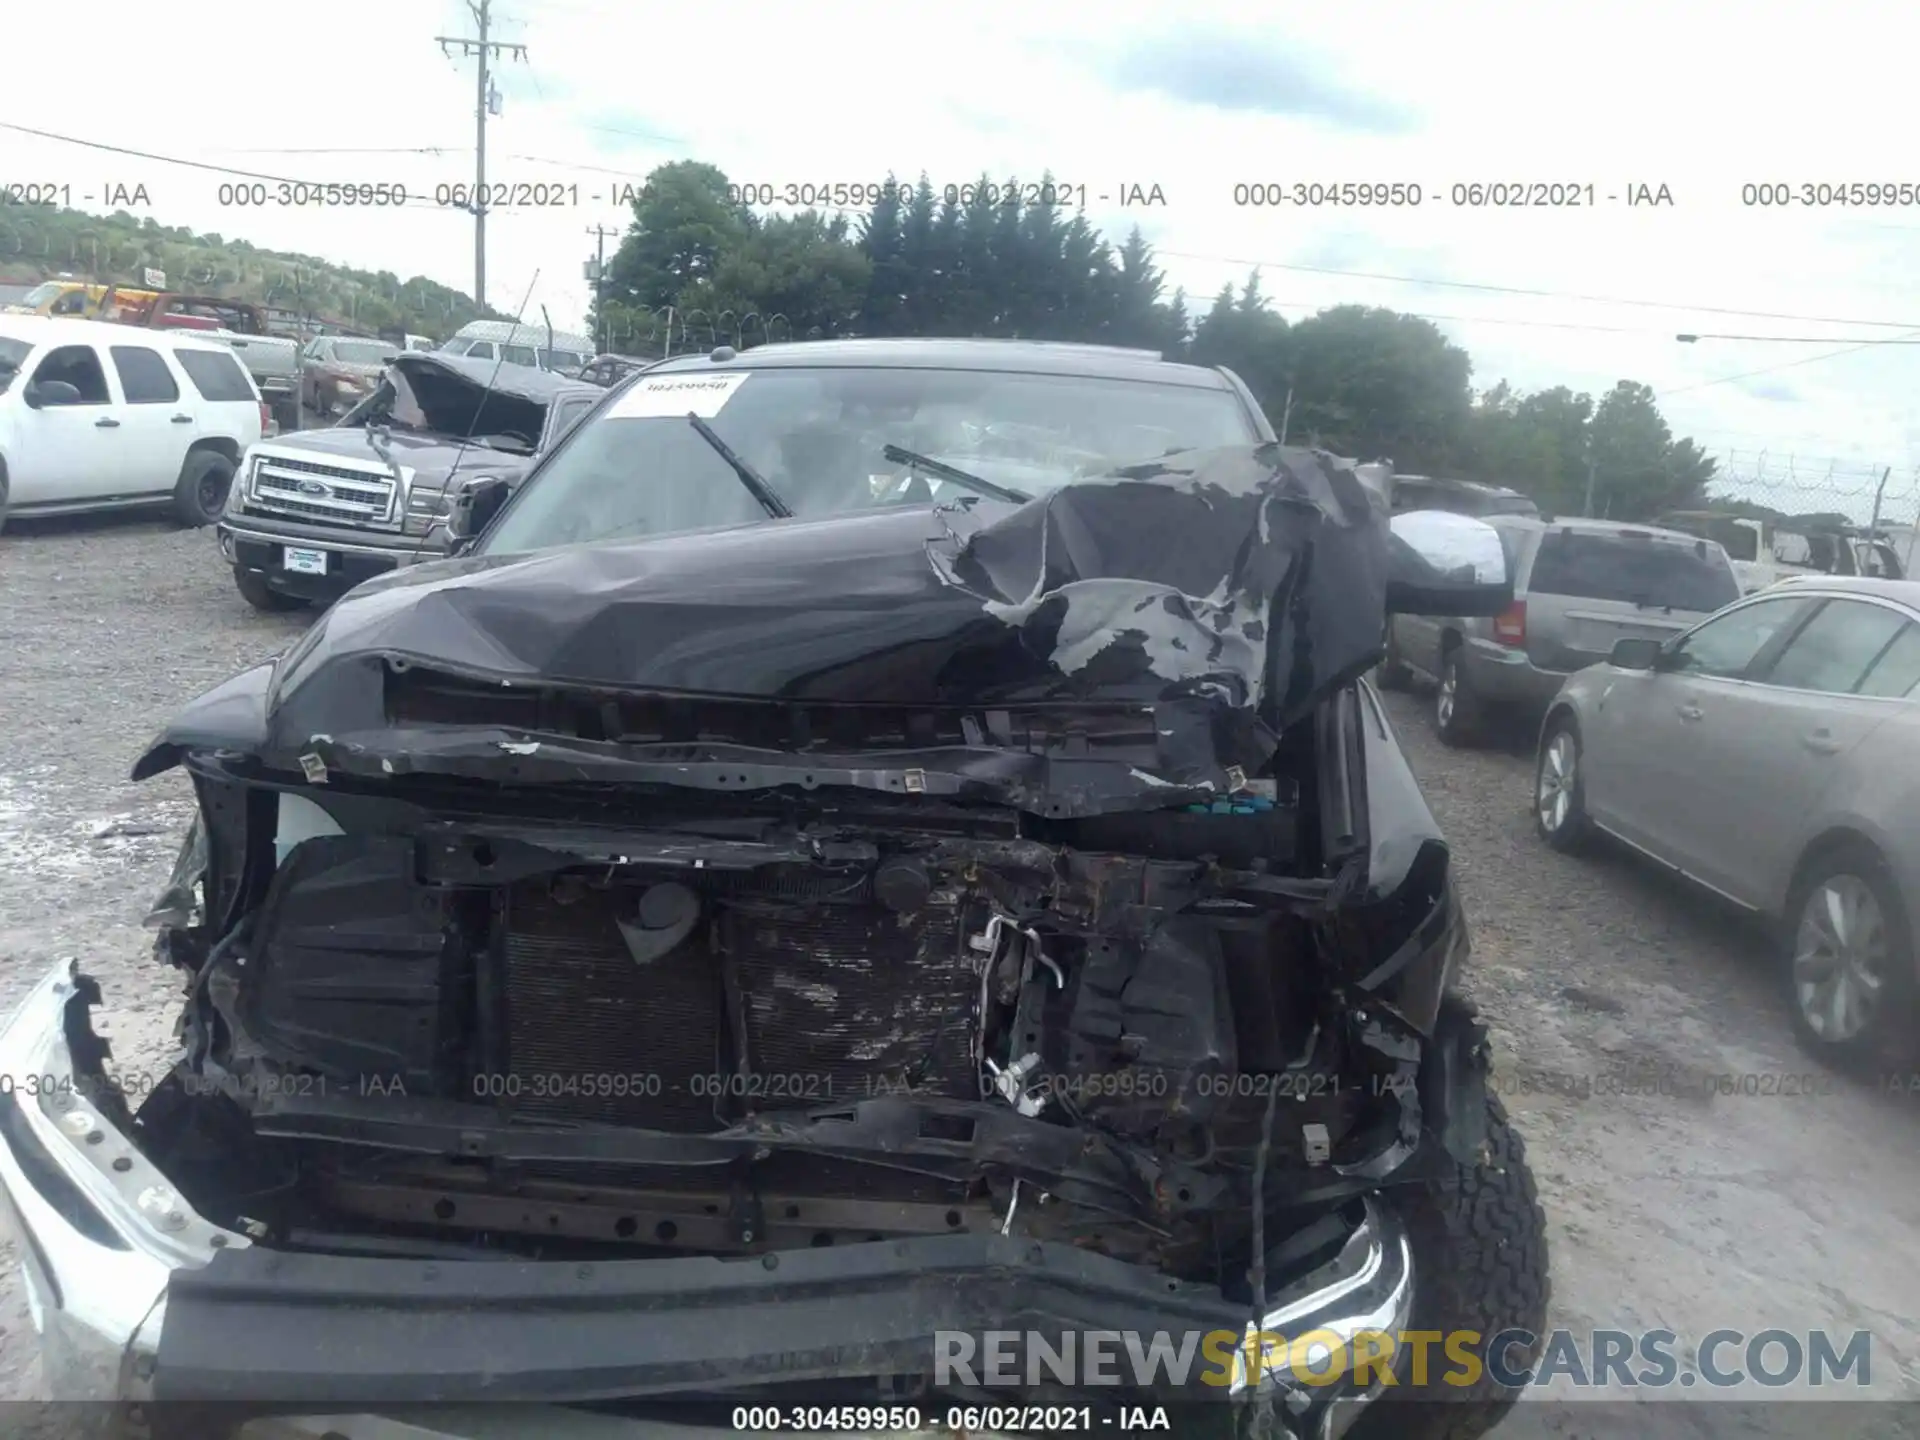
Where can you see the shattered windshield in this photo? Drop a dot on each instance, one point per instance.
(819, 438)
(432, 401)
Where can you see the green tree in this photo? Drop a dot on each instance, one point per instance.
(889, 276)
(1639, 469)
(803, 266)
(1253, 342)
(1140, 319)
(683, 225)
(1373, 383)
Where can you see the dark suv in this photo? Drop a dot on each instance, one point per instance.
(878, 887)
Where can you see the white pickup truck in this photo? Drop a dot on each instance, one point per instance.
(272, 360)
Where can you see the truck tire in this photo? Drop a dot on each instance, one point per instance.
(262, 596)
(201, 494)
(1479, 1242)
(1458, 711)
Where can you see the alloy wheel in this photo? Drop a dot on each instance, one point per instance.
(213, 492)
(1840, 954)
(1559, 769)
(1447, 695)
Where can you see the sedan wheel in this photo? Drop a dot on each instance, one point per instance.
(1850, 964)
(1840, 958)
(1559, 805)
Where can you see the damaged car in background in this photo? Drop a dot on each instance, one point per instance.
(313, 513)
(704, 967)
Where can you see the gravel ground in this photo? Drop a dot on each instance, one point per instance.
(1684, 1209)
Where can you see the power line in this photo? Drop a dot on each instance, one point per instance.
(1772, 369)
(341, 150)
(1797, 339)
(1537, 294)
(189, 164)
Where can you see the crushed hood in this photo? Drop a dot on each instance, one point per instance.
(430, 454)
(1234, 587)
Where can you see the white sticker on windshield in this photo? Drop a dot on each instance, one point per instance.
(701, 395)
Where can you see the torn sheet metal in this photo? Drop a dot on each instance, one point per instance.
(1222, 590)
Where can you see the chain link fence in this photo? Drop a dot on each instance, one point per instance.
(1796, 490)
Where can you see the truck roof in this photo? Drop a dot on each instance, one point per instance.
(505, 332)
(66, 330)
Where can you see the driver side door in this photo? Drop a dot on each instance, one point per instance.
(73, 450)
(1652, 731)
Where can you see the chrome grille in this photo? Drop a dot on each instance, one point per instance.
(310, 490)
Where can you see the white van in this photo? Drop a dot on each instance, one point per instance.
(97, 416)
(564, 353)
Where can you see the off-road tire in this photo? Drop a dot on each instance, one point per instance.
(1460, 724)
(1889, 1045)
(1393, 673)
(1479, 1242)
(262, 596)
(206, 475)
(1575, 833)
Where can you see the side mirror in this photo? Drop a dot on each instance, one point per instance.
(1445, 564)
(1634, 652)
(50, 392)
(474, 508)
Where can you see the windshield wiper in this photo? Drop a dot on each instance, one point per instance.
(955, 476)
(749, 477)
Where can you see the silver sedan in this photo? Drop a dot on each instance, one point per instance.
(1769, 754)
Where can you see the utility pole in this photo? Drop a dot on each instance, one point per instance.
(600, 234)
(484, 50)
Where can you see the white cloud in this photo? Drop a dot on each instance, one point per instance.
(1700, 98)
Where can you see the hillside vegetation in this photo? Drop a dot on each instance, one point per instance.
(39, 242)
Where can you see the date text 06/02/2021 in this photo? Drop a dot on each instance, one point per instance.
(1572, 194)
(836, 194)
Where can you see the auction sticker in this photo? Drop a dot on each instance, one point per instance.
(701, 395)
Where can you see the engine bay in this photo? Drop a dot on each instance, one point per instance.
(421, 1029)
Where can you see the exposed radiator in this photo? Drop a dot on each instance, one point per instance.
(578, 1006)
(855, 994)
(831, 1003)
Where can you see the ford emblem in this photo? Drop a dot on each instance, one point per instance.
(314, 487)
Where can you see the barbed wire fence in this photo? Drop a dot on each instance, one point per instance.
(1885, 495)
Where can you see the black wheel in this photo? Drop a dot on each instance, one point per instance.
(202, 492)
(1559, 787)
(1458, 713)
(1479, 1241)
(1394, 674)
(262, 596)
(3, 498)
(1850, 964)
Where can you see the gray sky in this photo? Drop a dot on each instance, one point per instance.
(1700, 98)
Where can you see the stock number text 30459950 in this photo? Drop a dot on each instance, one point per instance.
(1354, 194)
(299, 194)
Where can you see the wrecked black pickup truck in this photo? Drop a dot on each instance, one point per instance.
(312, 513)
(743, 967)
